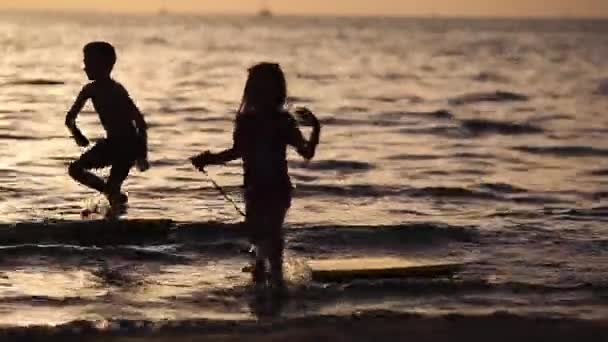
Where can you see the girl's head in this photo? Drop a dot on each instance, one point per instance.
(265, 90)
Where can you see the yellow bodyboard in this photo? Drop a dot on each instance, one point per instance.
(383, 267)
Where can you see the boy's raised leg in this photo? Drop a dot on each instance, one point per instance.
(92, 159)
(81, 175)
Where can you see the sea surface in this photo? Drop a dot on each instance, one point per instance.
(478, 141)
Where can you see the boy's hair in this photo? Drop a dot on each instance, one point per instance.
(265, 90)
(103, 53)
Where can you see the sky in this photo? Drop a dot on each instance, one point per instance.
(501, 8)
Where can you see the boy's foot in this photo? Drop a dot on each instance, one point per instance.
(115, 212)
(117, 200)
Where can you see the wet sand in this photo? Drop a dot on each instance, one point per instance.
(366, 327)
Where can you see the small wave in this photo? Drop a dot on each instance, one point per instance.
(502, 188)
(211, 130)
(208, 119)
(494, 192)
(602, 88)
(453, 192)
(577, 214)
(361, 325)
(602, 172)
(221, 247)
(193, 109)
(485, 76)
(155, 41)
(64, 251)
(497, 96)
(304, 178)
(473, 172)
(408, 212)
(537, 200)
(317, 77)
(301, 99)
(343, 166)
(198, 84)
(164, 241)
(358, 122)
(19, 137)
(355, 109)
(385, 99)
(550, 117)
(86, 233)
(347, 191)
(393, 76)
(167, 162)
(443, 131)
(436, 114)
(46, 300)
(384, 237)
(472, 155)
(481, 126)
(422, 286)
(388, 119)
(564, 151)
(35, 82)
(415, 157)
(450, 53)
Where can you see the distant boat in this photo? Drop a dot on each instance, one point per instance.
(265, 13)
(163, 11)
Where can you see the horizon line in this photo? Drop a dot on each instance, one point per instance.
(168, 12)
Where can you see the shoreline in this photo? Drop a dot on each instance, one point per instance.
(357, 327)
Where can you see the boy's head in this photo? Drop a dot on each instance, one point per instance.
(99, 59)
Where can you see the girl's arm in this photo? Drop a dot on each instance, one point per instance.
(306, 149)
(228, 155)
(225, 156)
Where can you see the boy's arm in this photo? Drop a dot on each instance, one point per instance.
(129, 106)
(70, 120)
(142, 132)
(306, 149)
(142, 128)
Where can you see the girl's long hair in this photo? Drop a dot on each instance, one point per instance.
(265, 90)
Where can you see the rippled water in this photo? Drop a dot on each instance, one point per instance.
(472, 139)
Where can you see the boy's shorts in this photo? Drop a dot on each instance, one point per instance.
(111, 153)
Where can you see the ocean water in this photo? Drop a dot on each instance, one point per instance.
(470, 140)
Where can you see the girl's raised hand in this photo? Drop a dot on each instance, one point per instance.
(307, 116)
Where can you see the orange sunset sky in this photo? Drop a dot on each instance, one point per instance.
(550, 8)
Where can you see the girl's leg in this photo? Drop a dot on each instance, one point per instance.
(253, 223)
(276, 246)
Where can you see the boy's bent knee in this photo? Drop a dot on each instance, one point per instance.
(75, 170)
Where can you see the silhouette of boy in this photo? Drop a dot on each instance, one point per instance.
(126, 139)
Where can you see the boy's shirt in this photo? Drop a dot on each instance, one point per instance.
(113, 105)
